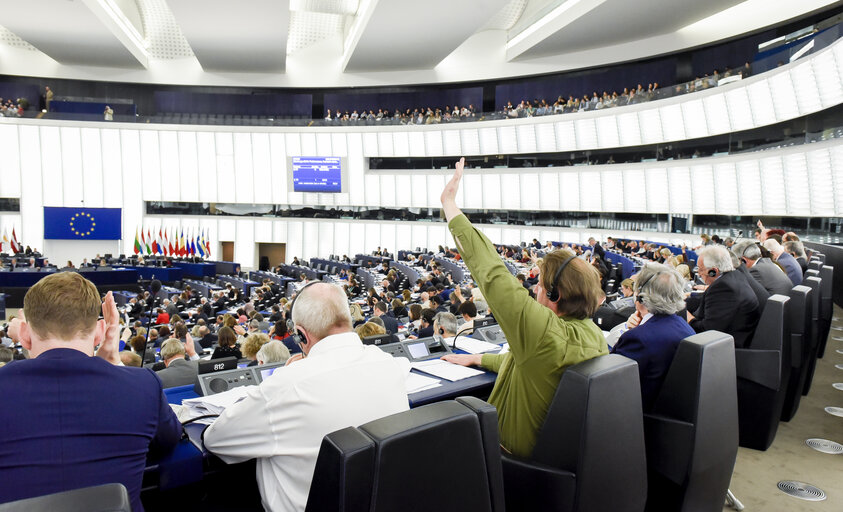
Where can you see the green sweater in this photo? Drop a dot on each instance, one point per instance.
(541, 344)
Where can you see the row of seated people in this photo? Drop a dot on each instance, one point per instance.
(354, 382)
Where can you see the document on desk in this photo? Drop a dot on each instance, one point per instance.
(445, 370)
(473, 346)
(214, 404)
(416, 383)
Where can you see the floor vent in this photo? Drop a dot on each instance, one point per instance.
(801, 490)
(825, 446)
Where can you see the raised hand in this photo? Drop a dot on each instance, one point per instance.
(449, 193)
(110, 346)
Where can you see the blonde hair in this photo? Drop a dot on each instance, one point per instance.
(369, 329)
(253, 344)
(63, 305)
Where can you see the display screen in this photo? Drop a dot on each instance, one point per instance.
(266, 373)
(317, 174)
(418, 350)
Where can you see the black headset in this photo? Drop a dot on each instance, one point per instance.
(294, 331)
(712, 272)
(553, 293)
(640, 296)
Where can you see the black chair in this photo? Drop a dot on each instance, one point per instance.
(763, 370)
(800, 310)
(589, 454)
(826, 306)
(443, 457)
(100, 498)
(692, 432)
(815, 284)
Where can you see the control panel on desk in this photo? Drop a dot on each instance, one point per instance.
(418, 350)
(492, 334)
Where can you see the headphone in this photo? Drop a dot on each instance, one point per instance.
(640, 296)
(712, 272)
(298, 336)
(553, 293)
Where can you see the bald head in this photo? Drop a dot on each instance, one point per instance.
(322, 310)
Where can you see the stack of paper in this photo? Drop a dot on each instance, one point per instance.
(214, 404)
(416, 382)
(445, 370)
(473, 346)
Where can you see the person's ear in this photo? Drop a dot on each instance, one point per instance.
(99, 332)
(25, 336)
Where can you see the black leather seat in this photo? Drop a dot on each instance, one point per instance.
(800, 310)
(763, 371)
(692, 431)
(815, 284)
(826, 306)
(443, 457)
(589, 454)
(100, 498)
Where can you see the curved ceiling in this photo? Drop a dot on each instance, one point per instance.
(337, 43)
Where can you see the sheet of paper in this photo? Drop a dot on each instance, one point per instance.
(473, 346)
(416, 382)
(445, 370)
(215, 404)
(504, 348)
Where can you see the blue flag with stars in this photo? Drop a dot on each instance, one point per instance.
(82, 223)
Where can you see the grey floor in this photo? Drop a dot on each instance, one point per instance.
(789, 458)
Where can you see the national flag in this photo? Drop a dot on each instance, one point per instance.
(208, 247)
(191, 245)
(138, 247)
(155, 247)
(200, 245)
(14, 243)
(3, 240)
(170, 240)
(182, 250)
(165, 243)
(148, 241)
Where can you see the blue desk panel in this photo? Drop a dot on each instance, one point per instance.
(199, 270)
(98, 277)
(226, 267)
(160, 273)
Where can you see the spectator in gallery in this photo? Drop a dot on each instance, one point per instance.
(108, 113)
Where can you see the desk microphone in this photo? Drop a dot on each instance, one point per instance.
(457, 335)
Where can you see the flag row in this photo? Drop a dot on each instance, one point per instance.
(172, 242)
(10, 243)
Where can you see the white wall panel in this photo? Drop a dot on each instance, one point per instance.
(388, 190)
(31, 202)
(419, 233)
(278, 167)
(50, 165)
(226, 180)
(293, 144)
(262, 168)
(612, 196)
(591, 191)
(132, 182)
(797, 184)
(694, 116)
(726, 189)
(279, 232)
(453, 146)
(435, 184)
(608, 135)
(808, 98)
(566, 136)
(370, 144)
(784, 97)
(433, 143)
(294, 240)
(403, 239)
(92, 175)
(749, 185)
(629, 132)
(489, 141)
(510, 191)
(530, 197)
(324, 146)
(761, 102)
(493, 234)
(357, 242)
(417, 144)
(401, 143)
(10, 147)
(372, 237)
(569, 191)
(263, 231)
(472, 187)
(673, 124)
(170, 183)
(373, 189)
(837, 174)
(438, 234)
(112, 170)
(385, 144)
(339, 146)
(387, 237)
(308, 144)
(702, 187)
(658, 195)
(586, 133)
(244, 187)
(188, 159)
(634, 192)
(821, 182)
(526, 138)
(679, 188)
(206, 155)
(71, 167)
(356, 169)
(492, 191)
(651, 126)
(829, 79)
(740, 112)
(545, 138)
(772, 186)
(227, 230)
(470, 141)
(418, 190)
(717, 114)
(326, 239)
(341, 239)
(507, 139)
(549, 191)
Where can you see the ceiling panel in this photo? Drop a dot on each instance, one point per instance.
(246, 36)
(69, 32)
(407, 34)
(618, 21)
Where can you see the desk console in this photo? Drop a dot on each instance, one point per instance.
(418, 350)
(217, 382)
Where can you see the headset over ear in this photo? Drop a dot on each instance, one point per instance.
(295, 332)
(640, 296)
(553, 292)
(712, 272)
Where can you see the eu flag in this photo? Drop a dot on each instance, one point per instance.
(82, 223)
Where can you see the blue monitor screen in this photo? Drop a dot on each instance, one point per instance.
(317, 174)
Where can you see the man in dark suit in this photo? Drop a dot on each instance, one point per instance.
(206, 338)
(763, 270)
(389, 322)
(657, 329)
(596, 250)
(75, 420)
(179, 371)
(728, 304)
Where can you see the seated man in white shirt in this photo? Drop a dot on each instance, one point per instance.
(335, 383)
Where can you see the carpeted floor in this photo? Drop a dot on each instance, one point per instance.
(789, 458)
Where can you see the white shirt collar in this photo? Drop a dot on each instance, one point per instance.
(336, 341)
(646, 317)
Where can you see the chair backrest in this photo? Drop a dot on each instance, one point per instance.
(827, 291)
(692, 432)
(815, 265)
(594, 429)
(800, 313)
(772, 325)
(429, 456)
(100, 498)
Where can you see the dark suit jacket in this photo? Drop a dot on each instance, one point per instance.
(598, 251)
(771, 277)
(390, 323)
(760, 292)
(730, 306)
(181, 372)
(653, 344)
(76, 421)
